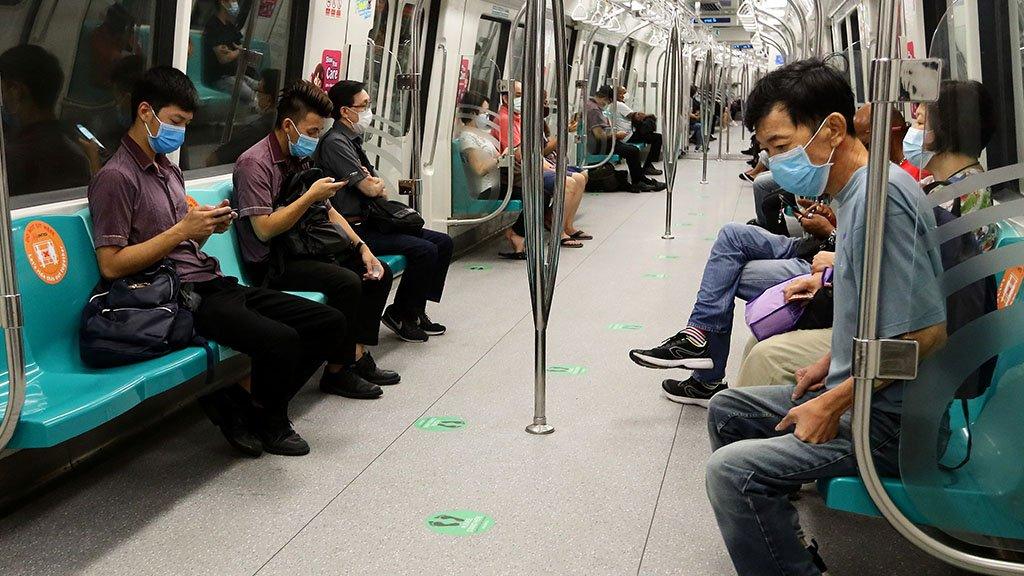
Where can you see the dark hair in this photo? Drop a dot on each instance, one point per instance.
(606, 92)
(470, 106)
(271, 78)
(808, 90)
(344, 94)
(299, 99)
(127, 71)
(117, 19)
(164, 86)
(963, 119)
(37, 69)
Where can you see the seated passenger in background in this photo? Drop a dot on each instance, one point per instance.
(428, 254)
(767, 441)
(640, 128)
(947, 140)
(575, 186)
(600, 136)
(222, 47)
(243, 137)
(357, 285)
(140, 217)
(478, 148)
(41, 153)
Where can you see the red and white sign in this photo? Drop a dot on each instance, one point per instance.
(330, 60)
(1009, 287)
(266, 9)
(464, 69)
(333, 8)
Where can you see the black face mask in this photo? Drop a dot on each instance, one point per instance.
(547, 111)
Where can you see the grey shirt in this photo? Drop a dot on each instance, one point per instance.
(340, 155)
(910, 297)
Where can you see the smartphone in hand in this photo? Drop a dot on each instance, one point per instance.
(89, 136)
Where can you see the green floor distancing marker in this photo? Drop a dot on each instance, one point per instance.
(696, 213)
(667, 257)
(625, 326)
(656, 275)
(441, 423)
(567, 370)
(459, 522)
(478, 267)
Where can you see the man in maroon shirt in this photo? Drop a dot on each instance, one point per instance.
(140, 218)
(357, 284)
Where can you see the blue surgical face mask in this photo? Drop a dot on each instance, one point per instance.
(168, 137)
(303, 147)
(233, 10)
(913, 148)
(794, 172)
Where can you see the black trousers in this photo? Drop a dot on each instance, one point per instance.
(652, 139)
(360, 301)
(427, 257)
(631, 154)
(287, 337)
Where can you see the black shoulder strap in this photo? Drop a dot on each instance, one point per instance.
(967, 422)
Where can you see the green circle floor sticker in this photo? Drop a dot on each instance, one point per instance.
(567, 370)
(460, 522)
(441, 423)
(478, 267)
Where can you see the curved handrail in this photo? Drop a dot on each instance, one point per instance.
(819, 26)
(801, 16)
(10, 309)
(867, 329)
(437, 117)
(785, 32)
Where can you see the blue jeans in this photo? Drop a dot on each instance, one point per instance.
(753, 469)
(744, 262)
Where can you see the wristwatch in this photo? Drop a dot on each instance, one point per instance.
(359, 247)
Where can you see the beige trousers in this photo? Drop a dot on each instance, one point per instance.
(775, 361)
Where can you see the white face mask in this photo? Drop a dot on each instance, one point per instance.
(365, 118)
(517, 103)
(482, 121)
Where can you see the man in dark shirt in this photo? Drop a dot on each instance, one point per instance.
(600, 137)
(222, 47)
(244, 137)
(40, 154)
(428, 253)
(357, 284)
(140, 217)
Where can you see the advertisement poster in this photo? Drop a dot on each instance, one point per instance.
(364, 9)
(463, 79)
(333, 8)
(266, 9)
(330, 61)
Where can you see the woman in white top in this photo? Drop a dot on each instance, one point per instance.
(479, 150)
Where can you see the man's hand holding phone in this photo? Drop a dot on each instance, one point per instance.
(803, 288)
(374, 269)
(325, 189)
(202, 221)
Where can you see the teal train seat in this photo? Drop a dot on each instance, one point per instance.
(64, 397)
(849, 493)
(464, 200)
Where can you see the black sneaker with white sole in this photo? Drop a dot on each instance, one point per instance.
(680, 351)
(429, 326)
(407, 329)
(692, 392)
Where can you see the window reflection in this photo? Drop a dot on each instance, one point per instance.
(66, 89)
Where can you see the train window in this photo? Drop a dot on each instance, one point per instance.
(67, 68)
(401, 107)
(238, 59)
(609, 67)
(627, 64)
(488, 58)
(596, 54)
(378, 37)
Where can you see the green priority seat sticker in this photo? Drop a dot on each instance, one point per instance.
(440, 423)
(567, 369)
(459, 522)
(625, 326)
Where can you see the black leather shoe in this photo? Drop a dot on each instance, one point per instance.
(643, 187)
(279, 438)
(350, 385)
(367, 369)
(227, 415)
(658, 185)
(652, 171)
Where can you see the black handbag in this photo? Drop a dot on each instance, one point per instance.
(136, 318)
(392, 217)
(314, 235)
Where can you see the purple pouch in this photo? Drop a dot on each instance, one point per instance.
(769, 314)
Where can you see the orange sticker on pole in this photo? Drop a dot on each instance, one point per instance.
(46, 252)
(1009, 287)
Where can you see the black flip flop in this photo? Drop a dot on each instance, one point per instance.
(512, 255)
(580, 235)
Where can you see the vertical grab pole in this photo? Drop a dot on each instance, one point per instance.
(720, 94)
(672, 83)
(707, 111)
(415, 78)
(744, 86)
(10, 309)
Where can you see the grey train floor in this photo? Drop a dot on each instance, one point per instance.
(618, 489)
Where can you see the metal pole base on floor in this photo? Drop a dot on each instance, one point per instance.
(540, 428)
(668, 237)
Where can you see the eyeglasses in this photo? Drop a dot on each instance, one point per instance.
(363, 106)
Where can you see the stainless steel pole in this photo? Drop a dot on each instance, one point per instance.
(243, 63)
(707, 111)
(415, 77)
(10, 308)
(883, 75)
(672, 84)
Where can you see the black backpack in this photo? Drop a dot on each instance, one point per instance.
(392, 217)
(136, 318)
(314, 235)
(603, 179)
